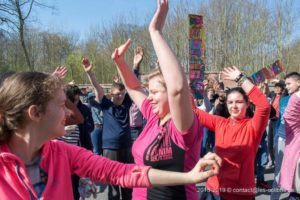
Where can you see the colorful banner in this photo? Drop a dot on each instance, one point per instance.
(196, 55)
(268, 72)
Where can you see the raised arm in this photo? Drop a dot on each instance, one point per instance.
(75, 116)
(262, 106)
(131, 82)
(234, 74)
(176, 82)
(137, 59)
(87, 66)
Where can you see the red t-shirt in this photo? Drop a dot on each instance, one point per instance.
(275, 105)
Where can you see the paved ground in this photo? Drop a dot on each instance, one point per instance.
(262, 195)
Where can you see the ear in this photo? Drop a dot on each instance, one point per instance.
(34, 113)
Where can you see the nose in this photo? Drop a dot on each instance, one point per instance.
(149, 97)
(234, 105)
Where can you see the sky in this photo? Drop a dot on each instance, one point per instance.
(80, 16)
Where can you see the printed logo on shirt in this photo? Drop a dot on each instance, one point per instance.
(160, 148)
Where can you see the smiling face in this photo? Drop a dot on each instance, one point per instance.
(158, 97)
(54, 117)
(237, 105)
(292, 85)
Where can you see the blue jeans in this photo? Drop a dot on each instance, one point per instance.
(208, 142)
(261, 159)
(279, 149)
(96, 137)
(204, 141)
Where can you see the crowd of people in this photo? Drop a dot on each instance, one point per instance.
(147, 141)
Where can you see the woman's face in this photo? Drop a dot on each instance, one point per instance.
(236, 105)
(55, 115)
(158, 97)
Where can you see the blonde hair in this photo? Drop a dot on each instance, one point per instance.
(157, 73)
(18, 92)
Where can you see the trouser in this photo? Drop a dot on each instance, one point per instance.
(75, 185)
(261, 159)
(96, 137)
(124, 156)
(204, 142)
(271, 132)
(279, 149)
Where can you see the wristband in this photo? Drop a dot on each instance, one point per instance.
(239, 77)
(242, 80)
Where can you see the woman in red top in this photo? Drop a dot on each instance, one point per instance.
(237, 139)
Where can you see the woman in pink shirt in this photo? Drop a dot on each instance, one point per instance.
(171, 138)
(33, 166)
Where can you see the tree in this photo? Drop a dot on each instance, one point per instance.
(14, 15)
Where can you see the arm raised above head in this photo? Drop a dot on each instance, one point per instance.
(176, 82)
(87, 66)
(131, 82)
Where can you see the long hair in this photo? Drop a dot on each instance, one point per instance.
(18, 92)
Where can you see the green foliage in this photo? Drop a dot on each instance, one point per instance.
(249, 34)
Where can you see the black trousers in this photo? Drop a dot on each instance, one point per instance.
(124, 156)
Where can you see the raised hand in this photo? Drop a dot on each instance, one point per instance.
(138, 56)
(86, 64)
(159, 18)
(118, 54)
(206, 167)
(230, 73)
(60, 71)
(115, 79)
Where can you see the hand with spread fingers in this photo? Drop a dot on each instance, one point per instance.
(60, 71)
(230, 73)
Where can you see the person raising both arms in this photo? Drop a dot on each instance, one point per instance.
(170, 139)
(236, 139)
(34, 166)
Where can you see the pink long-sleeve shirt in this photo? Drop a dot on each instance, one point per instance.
(60, 160)
(292, 144)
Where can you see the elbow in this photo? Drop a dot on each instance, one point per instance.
(177, 90)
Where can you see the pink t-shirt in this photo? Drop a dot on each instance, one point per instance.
(166, 148)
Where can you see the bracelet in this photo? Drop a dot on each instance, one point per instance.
(238, 78)
(242, 80)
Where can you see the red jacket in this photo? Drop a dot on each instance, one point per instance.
(236, 142)
(60, 161)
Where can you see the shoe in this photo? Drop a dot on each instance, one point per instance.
(263, 185)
